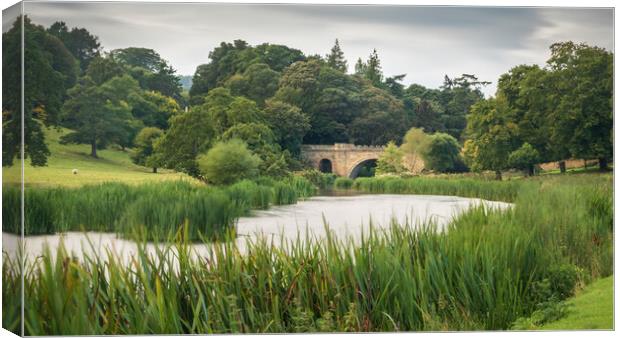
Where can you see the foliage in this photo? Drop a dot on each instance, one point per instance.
(288, 123)
(343, 183)
(336, 59)
(150, 70)
(50, 70)
(228, 162)
(492, 135)
(190, 134)
(229, 59)
(144, 144)
(442, 153)
(99, 114)
(524, 158)
(414, 144)
(79, 42)
(391, 160)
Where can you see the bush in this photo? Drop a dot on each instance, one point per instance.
(343, 183)
(319, 179)
(391, 160)
(442, 153)
(524, 158)
(228, 162)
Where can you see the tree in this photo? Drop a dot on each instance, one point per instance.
(229, 59)
(360, 67)
(492, 136)
(99, 114)
(414, 144)
(153, 108)
(442, 153)
(288, 123)
(257, 83)
(50, 70)
(524, 158)
(382, 118)
(150, 70)
(228, 162)
(190, 134)
(372, 70)
(82, 45)
(144, 144)
(583, 90)
(427, 117)
(335, 58)
(391, 160)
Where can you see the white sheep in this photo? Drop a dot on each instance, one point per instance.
(74, 171)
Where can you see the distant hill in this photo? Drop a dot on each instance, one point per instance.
(186, 81)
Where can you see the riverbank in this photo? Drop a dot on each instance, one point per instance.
(488, 269)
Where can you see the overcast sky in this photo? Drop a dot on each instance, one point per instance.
(423, 42)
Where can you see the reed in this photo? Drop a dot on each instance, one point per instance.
(488, 268)
(157, 208)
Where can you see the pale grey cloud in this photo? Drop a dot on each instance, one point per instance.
(423, 42)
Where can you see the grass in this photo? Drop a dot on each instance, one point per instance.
(591, 309)
(112, 165)
(489, 268)
(156, 209)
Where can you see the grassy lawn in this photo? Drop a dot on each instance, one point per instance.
(591, 309)
(112, 165)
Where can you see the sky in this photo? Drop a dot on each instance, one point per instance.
(425, 43)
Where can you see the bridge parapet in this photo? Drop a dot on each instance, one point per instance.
(341, 147)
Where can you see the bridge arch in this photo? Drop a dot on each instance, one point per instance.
(346, 159)
(325, 165)
(355, 170)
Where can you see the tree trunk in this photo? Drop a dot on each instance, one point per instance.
(530, 170)
(154, 170)
(93, 148)
(602, 164)
(498, 175)
(562, 167)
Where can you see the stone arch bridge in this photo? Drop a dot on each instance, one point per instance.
(342, 159)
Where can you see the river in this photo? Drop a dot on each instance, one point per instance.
(346, 216)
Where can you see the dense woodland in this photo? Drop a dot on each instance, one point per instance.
(263, 102)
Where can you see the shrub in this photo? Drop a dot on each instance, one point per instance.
(228, 162)
(524, 158)
(391, 160)
(442, 153)
(343, 183)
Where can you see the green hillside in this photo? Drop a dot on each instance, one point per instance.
(113, 164)
(592, 309)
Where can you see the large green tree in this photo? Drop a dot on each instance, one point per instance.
(99, 114)
(190, 134)
(492, 136)
(150, 70)
(582, 80)
(49, 70)
(80, 42)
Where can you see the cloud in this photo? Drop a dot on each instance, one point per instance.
(423, 42)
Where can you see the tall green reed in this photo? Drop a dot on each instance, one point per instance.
(483, 272)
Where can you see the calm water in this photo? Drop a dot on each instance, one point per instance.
(346, 216)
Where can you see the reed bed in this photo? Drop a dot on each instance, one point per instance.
(489, 268)
(157, 209)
